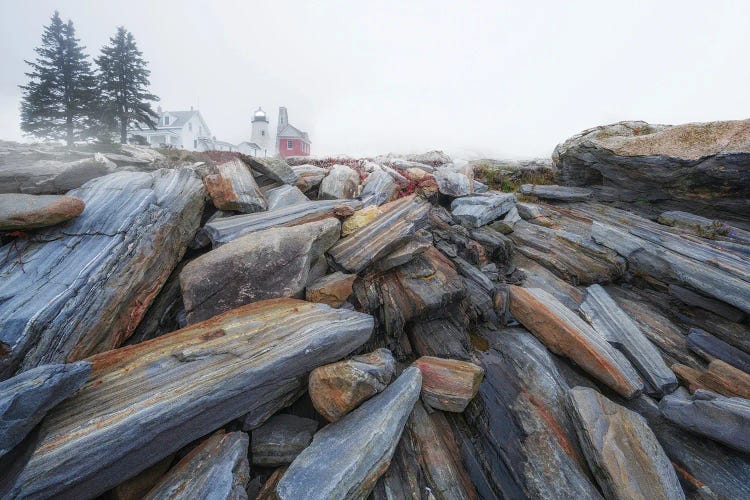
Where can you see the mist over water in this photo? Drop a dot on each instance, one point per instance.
(471, 78)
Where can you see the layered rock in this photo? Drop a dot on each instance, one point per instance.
(281, 439)
(342, 182)
(275, 169)
(722, 419)
(401, 255)
(452, 183)
(705, 228)
(565, 333)
(267, 264)
(557, 193)
(81, 287)
(623, 453)
(50, 176)
(332, 468)
(284, 196)
(338, 388)
(216, 468)
(226, 229)
(308, 176)
(615, 325)
(181, 386)
(710, 347)
(26, 211)
(719, 377)
(481, 209)
(332, 289)
(359, 219)
(378, 188)
(232, 186)
(448, 384)
(398, 222)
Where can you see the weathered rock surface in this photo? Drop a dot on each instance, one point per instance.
(402, 255)
(181, 386)
(719, 377)
(50, 176)
(265, 265)
(284, 196)
(281, 439)
(452, 183)
(27, 211)
(85, 284)
(226, 229)
(275, 169)
(706, 228)
(448, 384)
(565, 333)
(332, 468)
(699, 163)
(232, 186)
(308, 176)
(481, 209)
(137, 486)
(341, 182)
(338, 388)
(624, 455)
(722, 419)
(359, 219)
(378, 188)
(217, 468)
(557, 193)
(710, 347)
(398, 222)
(332, 289)
(615, 325)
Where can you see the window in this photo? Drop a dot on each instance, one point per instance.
(190, 127)
(262, 132)
(289, 144)
(166, 120)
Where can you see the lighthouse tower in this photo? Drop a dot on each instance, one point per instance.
(260, 132)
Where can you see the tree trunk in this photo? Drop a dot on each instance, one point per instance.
(123, 129)
(69, 130)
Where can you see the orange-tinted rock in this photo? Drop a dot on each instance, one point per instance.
(448, 384)
(720, 377)
(338, 388)
(332, 289)
(29, 211)
(565, 333)
(233, 187)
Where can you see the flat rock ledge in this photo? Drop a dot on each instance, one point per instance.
(27, 211)
(147, 401)
(334, 469)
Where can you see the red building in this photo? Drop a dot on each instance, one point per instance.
(291, 141)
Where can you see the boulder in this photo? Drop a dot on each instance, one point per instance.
(50, 176)
(716, 417)
(29, 211)
(615, 325)
(448, 384)
(332, 468)
(279, 440)
(341, 182)
(275, 169)
(719, 377)
(402, 255)
(566, 334)
(216, 468)
(557, 193)
(432, 158)
(710, 347)
(226, 229)
(308, 176)
(482, 208)
(398, 221)
(81, 287)
(284, 196)
(181, 386)
(338, 388)
(359, 219)
(452, 183)
(623, 453)
(700, 164)
(378, 188)
(267, 264)
(332, 289)
(232, 186)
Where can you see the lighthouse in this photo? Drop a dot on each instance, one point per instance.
(260, 133)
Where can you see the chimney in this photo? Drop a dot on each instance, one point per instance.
(158, 109)
(191, 108)
(283, 120)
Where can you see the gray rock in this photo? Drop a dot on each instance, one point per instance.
(481, 209)
(284, 196)
(28, 211)
(529, 211)
(274, 168)
(402, 255)
(722, 419)
(615, 325)
(279, 440)
(232, 186)
(308, 176)
(710, 347)
(226, 229)
(145, 402)
(332, 468)
(267, 264)
(433, 158)
(704, 227)
(85, 284)
(51, 176)
(341, 182)
(216, 469)
(624, 455)
(452, 183)
(557, 193)
(378, 188)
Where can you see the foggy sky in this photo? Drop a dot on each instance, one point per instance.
(494, 78)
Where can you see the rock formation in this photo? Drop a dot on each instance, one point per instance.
(26, 211)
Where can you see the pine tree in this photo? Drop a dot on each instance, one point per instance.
(123, 84)
(59, 101)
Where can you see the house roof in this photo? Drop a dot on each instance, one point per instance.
(251, 145)
(292, 132)
(182, 117)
